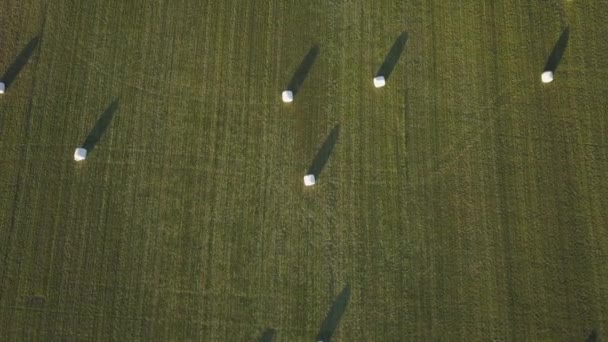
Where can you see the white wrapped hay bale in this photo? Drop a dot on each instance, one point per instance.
(287, 96)
(379, 81)
(547, 77)
(80, 154)
(2, 87)
(309, 180)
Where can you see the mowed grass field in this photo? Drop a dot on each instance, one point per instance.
(465, 200)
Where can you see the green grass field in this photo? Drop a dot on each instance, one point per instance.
(466, 200)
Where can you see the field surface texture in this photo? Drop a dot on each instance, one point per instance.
(465, 200)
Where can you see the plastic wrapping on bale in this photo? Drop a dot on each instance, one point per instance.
(309, 180)
(287, 96)
(80, 154)
(379, 81)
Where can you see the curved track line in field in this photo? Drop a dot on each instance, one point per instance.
(454, 151)
(484, 123)
(449, 157)
(444, 161)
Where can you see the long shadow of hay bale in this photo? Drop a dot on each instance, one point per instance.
(592, 337)
(267, 335)
(100, 127)
(393, 56)
(330, 324)
(558, 51)
(19, 63)
(303, 70)
(324, 152)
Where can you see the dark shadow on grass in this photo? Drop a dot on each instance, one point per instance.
(324, 152)
(300, 75)
(100, 127)
(558, 51)
(267, 335)
(592, 337)
(393, 56)
(330, 324)
(15, 68)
